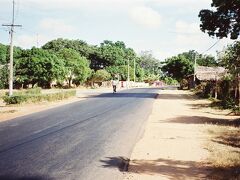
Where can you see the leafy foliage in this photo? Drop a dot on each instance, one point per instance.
(122, 71)
(230, 58)
(3, 54)
(100, 76)
(3, 76)
(201, 60)
(149, 63)
(223, 20)
(64, 61)
(178, 67)
(31, 97)
(78, 45)
(76, 66)
(38, 66)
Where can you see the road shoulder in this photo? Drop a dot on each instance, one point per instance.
(172, 146)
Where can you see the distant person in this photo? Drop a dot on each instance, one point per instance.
(114, 85)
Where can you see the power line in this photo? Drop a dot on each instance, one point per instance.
(211, 46)
(195, 60)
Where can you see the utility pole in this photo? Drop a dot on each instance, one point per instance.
(11, 49)
(194, 69)
(134, 71)
(128, 75)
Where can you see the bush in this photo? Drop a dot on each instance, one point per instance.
(15, 99)
(184, 84)
(28, 97)
(170, 81)
(204, 89)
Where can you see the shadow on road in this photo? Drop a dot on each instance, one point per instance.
(16, 177)
(175, 96)
(204, 120)
(126, 95)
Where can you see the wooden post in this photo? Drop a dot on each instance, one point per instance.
(216, 88)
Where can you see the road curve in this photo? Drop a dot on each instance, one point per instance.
(83, 140)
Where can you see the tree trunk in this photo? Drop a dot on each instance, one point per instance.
(70, 82)
(235, 89)
(238, 90)
(216, 89)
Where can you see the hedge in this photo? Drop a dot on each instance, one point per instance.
(28, 97)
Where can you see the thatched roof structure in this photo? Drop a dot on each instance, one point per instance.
(204, 73)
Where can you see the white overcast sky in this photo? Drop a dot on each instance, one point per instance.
(165, 27)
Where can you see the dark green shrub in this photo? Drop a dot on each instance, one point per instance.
(204, 89)
(184, 84)
(18, 99)
(15, 99)
(228, 103)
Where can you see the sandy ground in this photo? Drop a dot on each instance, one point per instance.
(172, 145)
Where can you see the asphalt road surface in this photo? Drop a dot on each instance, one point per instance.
(83, 140)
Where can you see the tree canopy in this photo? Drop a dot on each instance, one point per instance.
(76, 62)
(38, 66)
(224, 20)
(76, 66)
(178, 67)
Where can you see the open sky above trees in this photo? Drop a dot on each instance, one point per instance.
(165, 27)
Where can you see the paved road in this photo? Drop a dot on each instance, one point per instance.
(83, 140)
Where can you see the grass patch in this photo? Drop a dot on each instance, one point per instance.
(34, 96)
(224, 152)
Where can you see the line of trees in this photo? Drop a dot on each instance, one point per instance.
(181, 66)
(223, 20)
(76, 63)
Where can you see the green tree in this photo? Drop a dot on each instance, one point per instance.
(150, 78)
(223, 20)
(3, 76)
(207, 60)
(140, 73)
(3, 54)
(201, 60)
(76, 66)
(78, 45)
(230, 58)
(150, 64)
(178, 67)
(100, 76)
(112, 53)
(38, 66)
(122, 71)
(3, 66)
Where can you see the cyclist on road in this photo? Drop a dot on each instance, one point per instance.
(115, 82)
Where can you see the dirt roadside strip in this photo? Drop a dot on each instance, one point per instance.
(172, 146)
